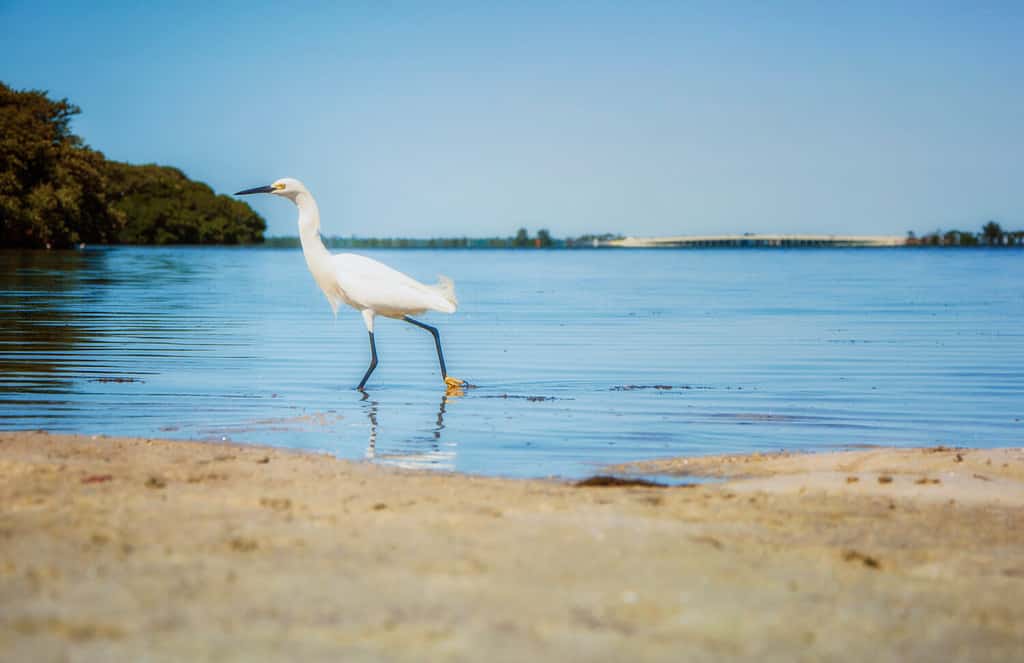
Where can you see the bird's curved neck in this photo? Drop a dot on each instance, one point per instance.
(309, 225)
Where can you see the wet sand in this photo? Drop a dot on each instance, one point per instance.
(129, 549)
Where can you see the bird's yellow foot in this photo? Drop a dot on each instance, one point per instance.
(453, 386)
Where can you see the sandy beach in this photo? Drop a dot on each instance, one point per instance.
(134, 549)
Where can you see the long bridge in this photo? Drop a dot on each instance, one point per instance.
(755, 240)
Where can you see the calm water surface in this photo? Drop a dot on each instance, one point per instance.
(580, 358)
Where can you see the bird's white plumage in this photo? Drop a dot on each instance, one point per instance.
(368, 284)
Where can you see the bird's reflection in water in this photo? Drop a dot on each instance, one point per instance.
(423, 450)
(371, 414)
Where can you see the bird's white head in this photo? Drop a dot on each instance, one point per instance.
(286, 187)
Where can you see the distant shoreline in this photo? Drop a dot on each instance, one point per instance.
(689, 242)
(484, 244)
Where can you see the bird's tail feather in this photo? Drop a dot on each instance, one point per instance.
(446, 288)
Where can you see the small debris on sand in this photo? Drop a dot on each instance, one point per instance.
(276, 503)
(242, 544)
(867, 560)
(607, 480)
(710, 540)
(885, 478)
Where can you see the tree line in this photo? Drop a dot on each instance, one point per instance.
(57, 192)
(992, 234)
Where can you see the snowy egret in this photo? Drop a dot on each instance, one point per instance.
(369, 286)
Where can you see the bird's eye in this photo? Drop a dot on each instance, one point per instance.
(278, 186)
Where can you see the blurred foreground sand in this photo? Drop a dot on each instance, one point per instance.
(128, 549)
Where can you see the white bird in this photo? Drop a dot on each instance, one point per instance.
(369, 286)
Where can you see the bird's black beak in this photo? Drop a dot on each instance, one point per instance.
(258, 189)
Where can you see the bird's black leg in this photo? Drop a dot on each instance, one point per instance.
(437, 342)
(373, 362)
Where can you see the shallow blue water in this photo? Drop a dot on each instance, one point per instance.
(580, 357)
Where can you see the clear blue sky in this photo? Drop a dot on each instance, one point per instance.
(434, 118)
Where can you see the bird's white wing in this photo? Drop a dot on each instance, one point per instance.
(370, 284)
